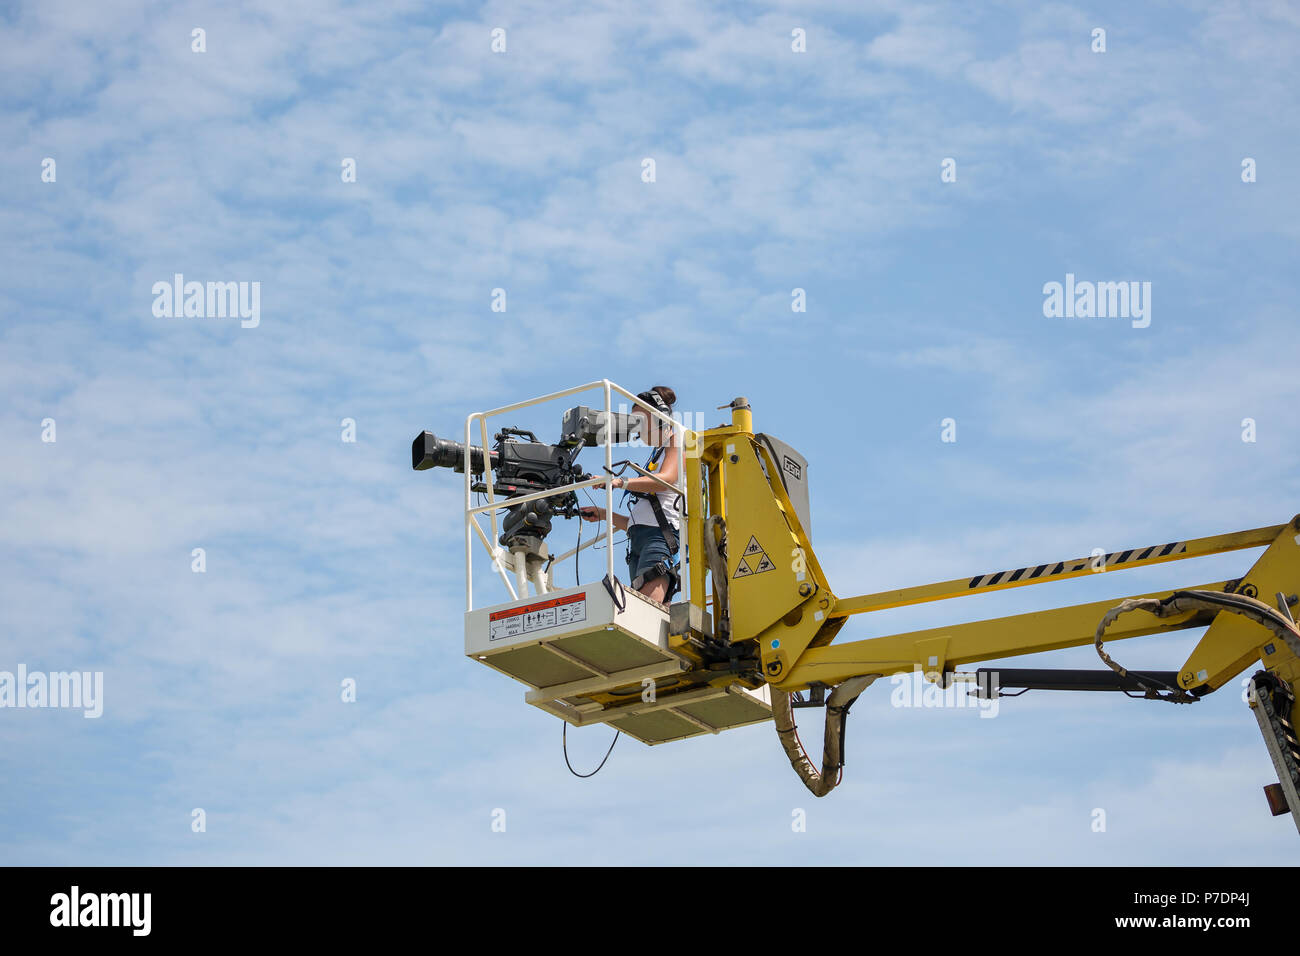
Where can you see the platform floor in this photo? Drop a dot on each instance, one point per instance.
(587, 662)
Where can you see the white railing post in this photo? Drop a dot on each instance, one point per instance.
(609, 482)
(469, 518)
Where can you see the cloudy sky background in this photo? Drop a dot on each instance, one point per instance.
(521, 170)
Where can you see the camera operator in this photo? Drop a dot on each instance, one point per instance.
(653, 525)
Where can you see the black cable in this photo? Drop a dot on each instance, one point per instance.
(598, 546)
(564, 737)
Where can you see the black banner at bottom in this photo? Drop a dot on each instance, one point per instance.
(333, 905)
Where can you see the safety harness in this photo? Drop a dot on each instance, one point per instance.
(670, 535)
(667, 568)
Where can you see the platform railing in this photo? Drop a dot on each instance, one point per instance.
(499, 555)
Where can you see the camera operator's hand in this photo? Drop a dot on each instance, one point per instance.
(592, 514)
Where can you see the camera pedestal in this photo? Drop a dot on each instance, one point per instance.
(528, 558)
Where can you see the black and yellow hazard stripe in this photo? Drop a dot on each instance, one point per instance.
(1058, 570)
(1049, 570)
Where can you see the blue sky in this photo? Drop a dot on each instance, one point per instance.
(775, 170)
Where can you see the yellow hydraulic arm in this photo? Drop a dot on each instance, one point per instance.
(771, 603)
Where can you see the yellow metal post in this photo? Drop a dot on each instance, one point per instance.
(742, 417)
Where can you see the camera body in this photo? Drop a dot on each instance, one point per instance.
(587, 426)
(521, 465)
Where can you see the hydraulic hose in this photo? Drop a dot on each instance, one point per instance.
(837, 704)
(1180, 602)
(715, 545)
(837, 711)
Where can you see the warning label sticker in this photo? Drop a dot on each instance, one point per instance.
(754, 560)
(537, 616)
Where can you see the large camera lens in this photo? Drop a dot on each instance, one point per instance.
(430, 451)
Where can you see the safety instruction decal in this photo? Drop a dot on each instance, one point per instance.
(537, 616)
(754, 560)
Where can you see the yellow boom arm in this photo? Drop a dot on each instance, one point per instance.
(754, 569)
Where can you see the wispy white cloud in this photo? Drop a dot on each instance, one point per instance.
(775, 170)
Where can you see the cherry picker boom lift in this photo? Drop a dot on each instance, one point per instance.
(754, 636)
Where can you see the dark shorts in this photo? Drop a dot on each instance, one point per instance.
(646, 547)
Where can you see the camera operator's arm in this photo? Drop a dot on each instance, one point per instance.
(598, 514)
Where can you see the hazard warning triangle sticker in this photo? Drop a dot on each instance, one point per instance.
(754, 560)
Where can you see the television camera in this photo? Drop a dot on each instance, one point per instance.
(521, 464)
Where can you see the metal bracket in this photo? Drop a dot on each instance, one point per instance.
(816, 696)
